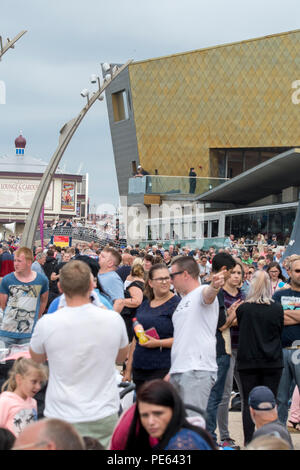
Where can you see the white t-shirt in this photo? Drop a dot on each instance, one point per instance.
(81, 344)
(195, 325)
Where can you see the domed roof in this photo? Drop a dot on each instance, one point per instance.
(20, 142)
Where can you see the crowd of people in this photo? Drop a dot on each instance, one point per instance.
(213, 320)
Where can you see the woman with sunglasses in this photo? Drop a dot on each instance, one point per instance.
(152, 359)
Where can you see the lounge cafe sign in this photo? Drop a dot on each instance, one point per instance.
(19, 193)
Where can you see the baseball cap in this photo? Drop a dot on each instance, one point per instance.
(139, 166)
(262, 398)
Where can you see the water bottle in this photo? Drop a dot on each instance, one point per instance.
(139, 331)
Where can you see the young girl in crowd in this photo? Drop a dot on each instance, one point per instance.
(18, 408)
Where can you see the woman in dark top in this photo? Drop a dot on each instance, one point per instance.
(259, 356)
(233, 296)
(152, 360)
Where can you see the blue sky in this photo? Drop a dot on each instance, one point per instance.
(66, 42)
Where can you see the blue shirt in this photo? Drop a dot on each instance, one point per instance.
(37, 267)
(112, 285)
(23, 304)
(161, 319)
(187, 439)
(55, 304)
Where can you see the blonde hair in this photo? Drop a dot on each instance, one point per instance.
(261, 262)
(137, 261)
(291, 260)
(27, 252)
(137, 270)
(21, 366)
(260, 289)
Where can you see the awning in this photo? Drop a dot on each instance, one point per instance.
(270, 177)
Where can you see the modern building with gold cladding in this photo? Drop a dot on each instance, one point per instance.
(221, 110)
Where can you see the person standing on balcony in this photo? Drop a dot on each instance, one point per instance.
(192, 175)
(140, 173)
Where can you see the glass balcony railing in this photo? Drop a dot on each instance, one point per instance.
(165, 185)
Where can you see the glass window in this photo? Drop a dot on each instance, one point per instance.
(120, 106)
(228, 230)
(249, 224)
(214, 228)
(221, 164)
(252, 158)
(205, 229)
(235, 163)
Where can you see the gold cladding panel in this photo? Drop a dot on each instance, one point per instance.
(238, 95)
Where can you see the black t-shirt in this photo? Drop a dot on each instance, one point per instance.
(260, 330)
(290, 300)
(123, 272)
(221, 349)
(220, 342)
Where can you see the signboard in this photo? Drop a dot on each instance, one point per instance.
(19, 193)
(61, 240)
(68, 196)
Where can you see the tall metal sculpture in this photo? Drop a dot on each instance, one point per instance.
(10, 43)
(66, 133)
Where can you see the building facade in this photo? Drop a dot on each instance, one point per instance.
(220, 110)
(20, 176)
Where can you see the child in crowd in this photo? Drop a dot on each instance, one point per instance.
(18, 408)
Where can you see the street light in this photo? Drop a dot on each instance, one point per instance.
(10, 43)
(85, 94)
(66, 133)
(94, 79)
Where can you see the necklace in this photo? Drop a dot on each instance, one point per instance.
(274, 287)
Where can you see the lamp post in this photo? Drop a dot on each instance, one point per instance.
(66, 133)
(10, 43)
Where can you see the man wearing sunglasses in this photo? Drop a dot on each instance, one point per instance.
(193, 356)
(290, 301)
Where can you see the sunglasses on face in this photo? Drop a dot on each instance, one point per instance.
(172, 275)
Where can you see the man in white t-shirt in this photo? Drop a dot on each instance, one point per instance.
(82, 343)
(193, 355)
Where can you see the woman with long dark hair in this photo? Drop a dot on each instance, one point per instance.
(160, 414)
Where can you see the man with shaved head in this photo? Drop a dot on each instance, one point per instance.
(49, 434)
